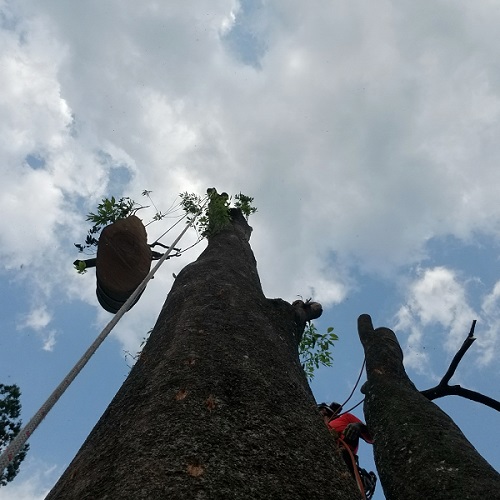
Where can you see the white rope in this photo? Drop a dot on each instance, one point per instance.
(18, 442)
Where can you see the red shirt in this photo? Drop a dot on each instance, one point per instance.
(340, 423)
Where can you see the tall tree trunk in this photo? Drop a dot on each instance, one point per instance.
(419, 451)
(217, 406)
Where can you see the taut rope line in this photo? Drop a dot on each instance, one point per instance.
(18, 442)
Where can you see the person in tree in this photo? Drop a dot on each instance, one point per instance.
(347, 429)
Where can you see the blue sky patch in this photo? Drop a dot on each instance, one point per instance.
(35, 161)
(244, 40)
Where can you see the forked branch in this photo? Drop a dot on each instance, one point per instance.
(444, 389)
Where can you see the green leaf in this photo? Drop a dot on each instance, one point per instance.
(315, 349)
(215, 215)
(81, 267)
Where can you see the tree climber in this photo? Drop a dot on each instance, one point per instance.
(347, 429)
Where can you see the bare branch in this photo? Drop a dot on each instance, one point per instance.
(443, 389)
(459, 355)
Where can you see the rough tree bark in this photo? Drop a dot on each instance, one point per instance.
(419, 451)
(217, 406)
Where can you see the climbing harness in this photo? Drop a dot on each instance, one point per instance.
(366, 481)
(369, 482)
(18, 442)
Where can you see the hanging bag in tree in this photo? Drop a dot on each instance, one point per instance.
(123, 261)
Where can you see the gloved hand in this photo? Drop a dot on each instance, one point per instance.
(352, 431)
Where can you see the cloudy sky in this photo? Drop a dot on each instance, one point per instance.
(367, 132)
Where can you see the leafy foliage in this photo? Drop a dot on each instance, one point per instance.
(108, 211)
(81, 267)
(314, 349)
(214, 215)
(211, 213)
(217, 215)
(244, 203)
(10, 425)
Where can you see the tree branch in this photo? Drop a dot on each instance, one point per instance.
(459, 355)
(443, 389)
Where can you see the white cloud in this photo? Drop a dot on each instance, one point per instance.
(38, 319)
(415, 355)
(32, 483)
(438, 297)
(489, 341)
(438, 306)
(49, 341)
(362, 135)
(36, 122)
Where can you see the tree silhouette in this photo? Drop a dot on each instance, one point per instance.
(10, 425)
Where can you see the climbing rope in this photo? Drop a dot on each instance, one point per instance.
(336, 415)
(169, 229)
(339, 412)
(357, 476)
(179, 252)
(18, 442)
(359, 481)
